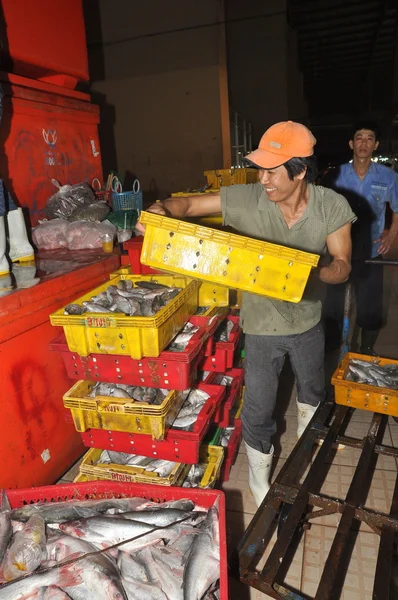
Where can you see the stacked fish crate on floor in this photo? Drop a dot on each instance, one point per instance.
(154, 356)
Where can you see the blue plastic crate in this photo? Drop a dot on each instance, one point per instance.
(127, 201)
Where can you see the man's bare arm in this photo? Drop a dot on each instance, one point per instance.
(180, 208)
(339, 246)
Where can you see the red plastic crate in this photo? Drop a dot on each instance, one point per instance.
(231, 451)
(170, 370)
(134, 247)
(223, 357)
(180, 446)
(111, 489)
(223, 413)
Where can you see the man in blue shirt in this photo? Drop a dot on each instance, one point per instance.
(368, 187)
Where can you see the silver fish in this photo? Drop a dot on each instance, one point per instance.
(121, 305)
(195, 475)
(74, 309)
(203, 564)
(372, 374)
(102, 298)
(69, 510)
(124, 284)
(5, 524)
(106, 531)
(119, 393)
(223, 332)
(130, 568)
(165, 516)
(139, 590)
(96, 308)
(170, 583)
(98, 573)
(226, 436)
(22, 589)
(187, 421)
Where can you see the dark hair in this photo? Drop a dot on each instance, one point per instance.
(295, 166)
(370, 125)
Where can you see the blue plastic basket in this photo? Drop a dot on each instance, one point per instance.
(127, 201)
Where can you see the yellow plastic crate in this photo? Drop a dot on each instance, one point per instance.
(361, 395)
(118, 414)
(225, 258)
(124, 473)
(209, 294)
(224, 177)
(114, 333)
(213, 457)
(239, 403)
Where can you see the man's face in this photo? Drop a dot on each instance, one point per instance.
(277, 183)
(364, 143)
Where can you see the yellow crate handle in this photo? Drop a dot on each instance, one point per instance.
(113, 407)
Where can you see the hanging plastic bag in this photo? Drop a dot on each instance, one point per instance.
(50, 235)
(82, 235)
(68, 198)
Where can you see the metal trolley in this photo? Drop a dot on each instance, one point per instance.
(291, 506)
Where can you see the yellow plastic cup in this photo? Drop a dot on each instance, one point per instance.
(107, 243)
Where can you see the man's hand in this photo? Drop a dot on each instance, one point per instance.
(157, 208)
(386, 240)
(192, 206)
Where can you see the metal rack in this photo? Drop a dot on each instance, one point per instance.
(296, 506)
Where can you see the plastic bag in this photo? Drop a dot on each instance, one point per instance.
(68, 198)
(82, 235)
(50, 235)
(97, 211)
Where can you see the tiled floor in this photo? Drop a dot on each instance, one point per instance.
(304, 574)
(315, 544)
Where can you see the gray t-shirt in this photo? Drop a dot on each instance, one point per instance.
(247, 209)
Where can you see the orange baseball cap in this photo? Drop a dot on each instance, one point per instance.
(280, 143)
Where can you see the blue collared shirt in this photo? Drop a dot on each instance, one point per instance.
(368, 198)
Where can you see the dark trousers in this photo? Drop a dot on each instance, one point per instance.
(368, 285)
(265, 356)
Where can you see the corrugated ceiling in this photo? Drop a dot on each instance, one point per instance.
(346, 53)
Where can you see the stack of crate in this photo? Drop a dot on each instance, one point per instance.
(134, 351)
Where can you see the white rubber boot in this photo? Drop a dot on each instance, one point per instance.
(4, 266)
(259, 472)
(20, 248)
(305, 412)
